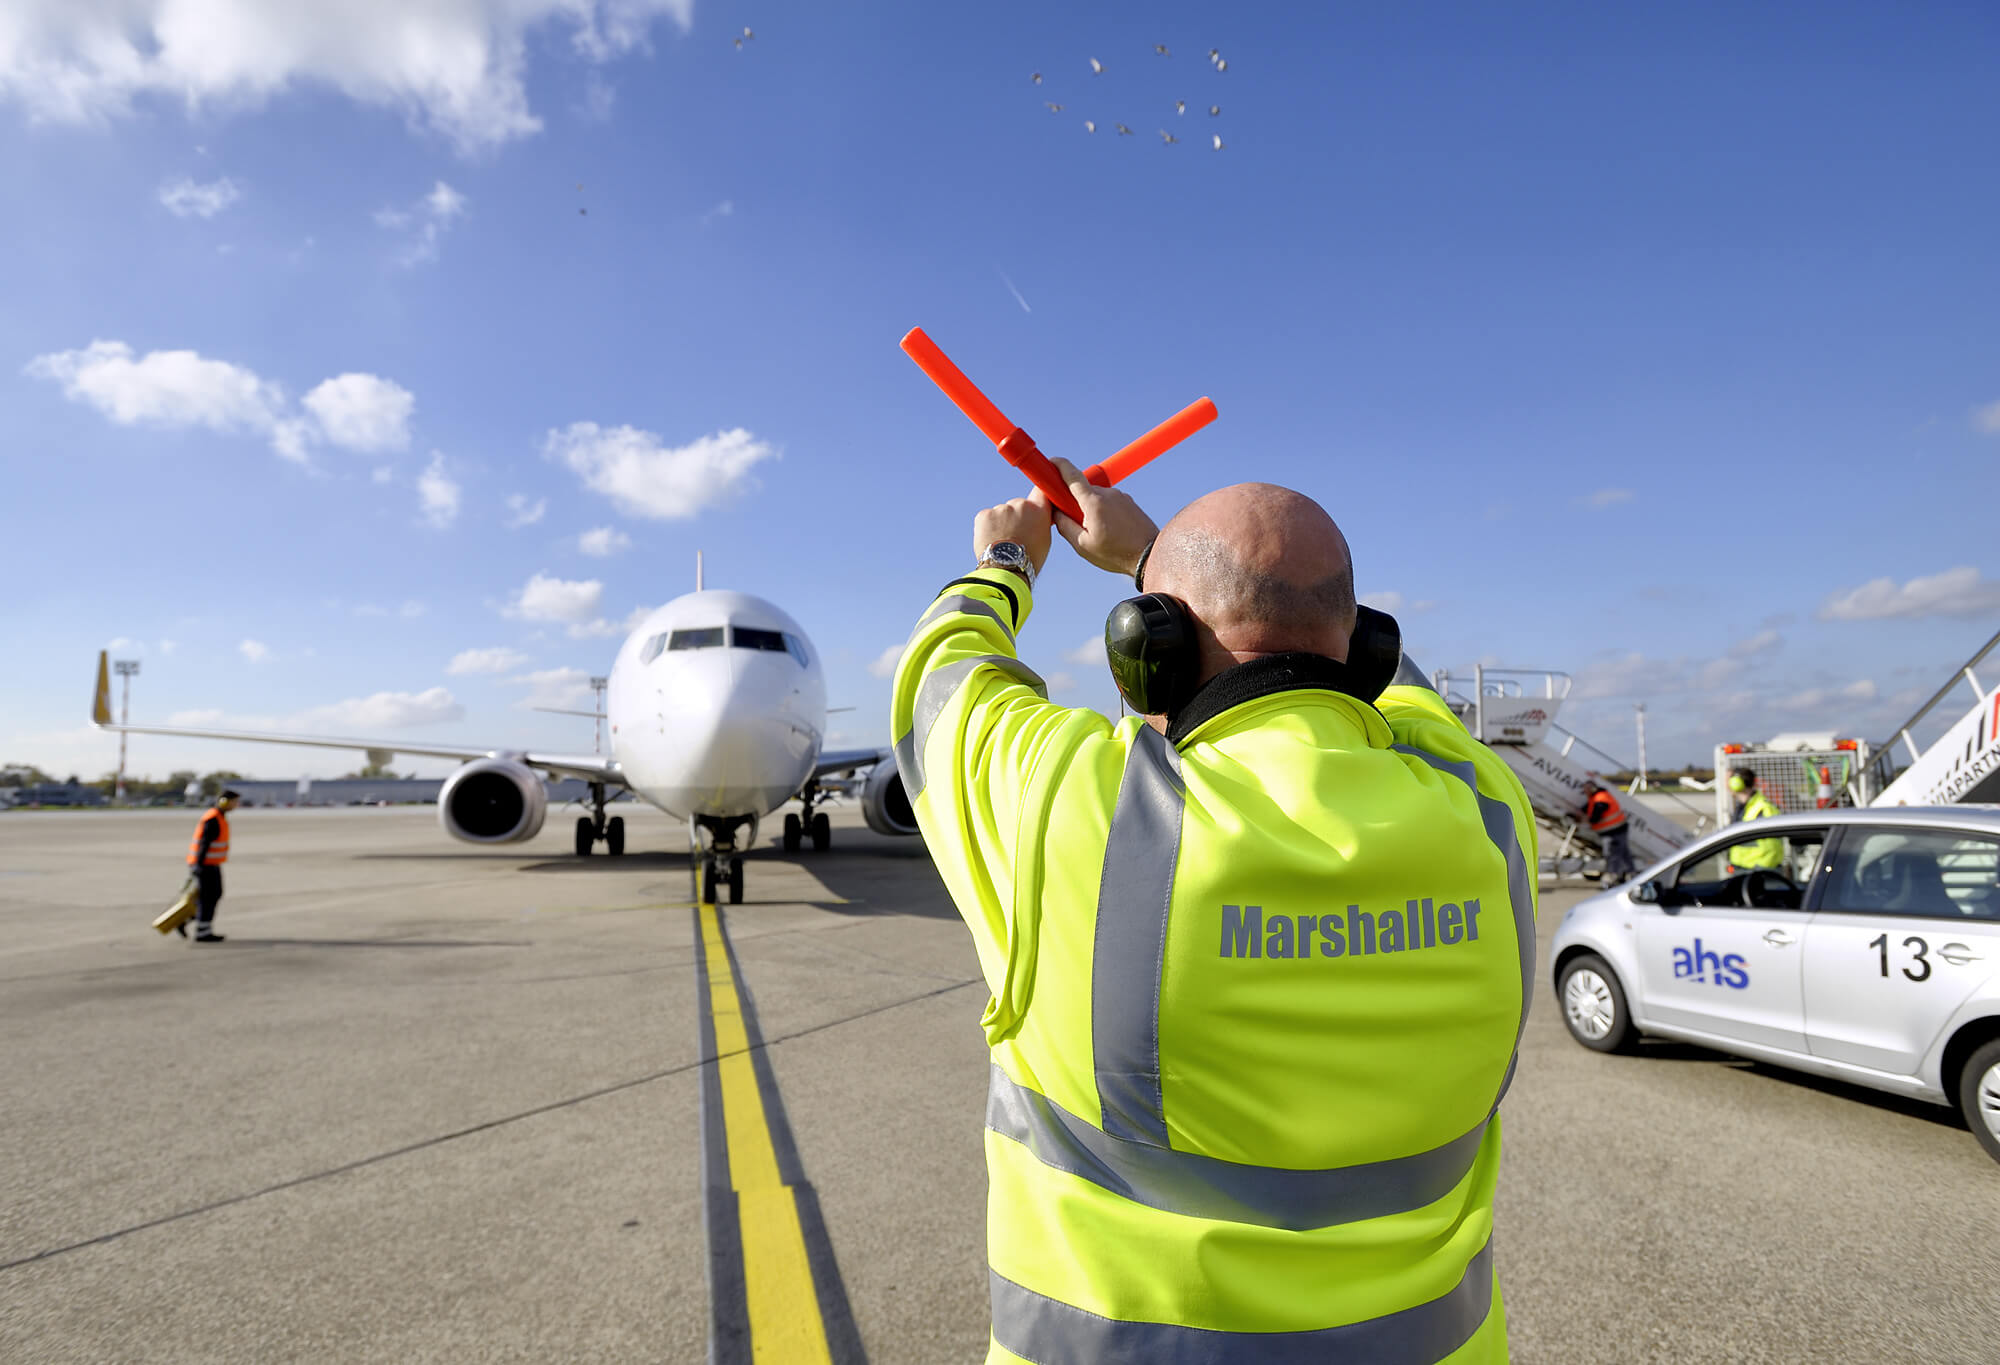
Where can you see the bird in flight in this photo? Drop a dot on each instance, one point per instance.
(1214, 110)
(1053, 108)
(1123, 131)
(1214, 55)
(1089, 127)
(747, 35)
(1180, 106)
(1096, 67)
(1218, 142)
(1167, 138)
(1161, 48)
(1036, 78)
(1222, 65)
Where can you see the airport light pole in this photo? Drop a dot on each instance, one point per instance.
(124, 668)
(1639, 709)
(597, 686)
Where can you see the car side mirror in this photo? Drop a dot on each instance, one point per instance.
(1647, 893)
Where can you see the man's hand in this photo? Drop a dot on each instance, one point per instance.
(1114, 532)
(1025, 521)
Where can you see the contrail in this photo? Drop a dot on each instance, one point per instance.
(1015, 292)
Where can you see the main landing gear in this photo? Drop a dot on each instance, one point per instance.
(811, 825)
(590, 828)
(720, 859)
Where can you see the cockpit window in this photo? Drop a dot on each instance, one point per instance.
(651, 649)
(797, 648)
(709, 637)
(749, 637)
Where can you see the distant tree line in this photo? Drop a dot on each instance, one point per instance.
(136, 788)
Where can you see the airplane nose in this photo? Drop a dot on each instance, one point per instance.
(740, 743)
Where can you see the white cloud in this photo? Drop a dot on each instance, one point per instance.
(409, 611)
(172, 389)
(495, 660)
(437, 494)
(184, 198)
(169, 646)
(1987, 419)
(728, 207)
(1393, 602)
(883, 665)
(1816, 698)
(382, 711)
(1762, 642)
(521, 512)
(382, 474)
(1091, 651)
(603, 541)
(644, 478)
(424, 223)
(182, 389)
(255, 651)
(122, 642)
(362, 412)
(1963, 591)
(1605, 497)
(602, 629)
(1060, 682)
(456, 67)
(561, 687)
(544, 598)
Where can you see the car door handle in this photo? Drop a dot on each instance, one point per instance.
(1777, 938)
(1957, 954)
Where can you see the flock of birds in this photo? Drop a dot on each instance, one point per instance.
(1215, 59)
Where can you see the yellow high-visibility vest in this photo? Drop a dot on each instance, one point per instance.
(1759, 852)
(1257, 990)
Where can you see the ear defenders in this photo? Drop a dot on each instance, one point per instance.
(1737, 784)
(1156, 660)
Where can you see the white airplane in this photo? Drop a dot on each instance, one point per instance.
(717, 709)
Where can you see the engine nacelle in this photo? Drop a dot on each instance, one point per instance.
(493, 801)
(885, 802)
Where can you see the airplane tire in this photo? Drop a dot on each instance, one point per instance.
(794, 832)
(708, 883)
(736, 884)
(614, 836)
(585, 836)
(822, 833)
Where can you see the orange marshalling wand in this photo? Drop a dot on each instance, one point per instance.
(1018, 448)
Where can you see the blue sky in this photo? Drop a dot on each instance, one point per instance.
(1660, 348)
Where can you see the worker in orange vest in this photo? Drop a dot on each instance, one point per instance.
(208, 851)
(1606, 818)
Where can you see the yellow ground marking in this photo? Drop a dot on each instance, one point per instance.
(783, 1306)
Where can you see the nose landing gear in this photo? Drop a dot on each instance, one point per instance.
(719, 858)
(590, 828)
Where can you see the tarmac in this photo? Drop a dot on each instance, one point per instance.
(438, 1102)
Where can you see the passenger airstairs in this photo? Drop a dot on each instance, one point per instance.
(1963, 764)
(1513, 712)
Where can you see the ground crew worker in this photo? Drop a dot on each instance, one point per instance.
(1259, 957)
(1752, 804)
(206, 855)
(1606, 818)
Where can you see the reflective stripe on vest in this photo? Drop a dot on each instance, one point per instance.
(1051, 1332)
(218, 852)
(935, 693)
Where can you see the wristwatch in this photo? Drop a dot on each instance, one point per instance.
(1009, 555)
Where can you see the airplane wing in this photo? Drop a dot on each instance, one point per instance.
(589, 767)
(846, 760)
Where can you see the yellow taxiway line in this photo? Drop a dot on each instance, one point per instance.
(774, 1291)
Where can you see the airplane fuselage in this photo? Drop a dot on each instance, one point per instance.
(717, 707)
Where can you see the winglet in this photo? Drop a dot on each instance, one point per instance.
(100, 706)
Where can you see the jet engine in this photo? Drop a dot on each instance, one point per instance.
(884, 801)
(498, 800)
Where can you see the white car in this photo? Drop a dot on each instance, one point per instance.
(1870, 952)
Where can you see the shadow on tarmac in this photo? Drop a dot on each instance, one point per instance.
(1672, 1050)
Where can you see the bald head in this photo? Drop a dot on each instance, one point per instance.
(1263, 569)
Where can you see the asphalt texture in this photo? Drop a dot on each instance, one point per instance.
(434, 1102)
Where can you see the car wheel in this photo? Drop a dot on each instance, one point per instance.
(1979, 1096)
(1593, 1006)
